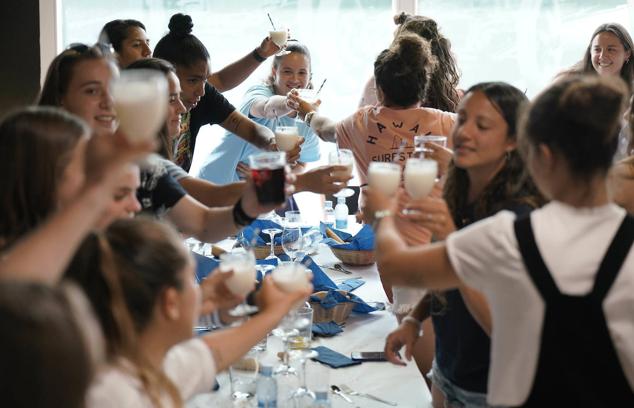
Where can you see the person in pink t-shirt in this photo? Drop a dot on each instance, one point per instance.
(385, 132)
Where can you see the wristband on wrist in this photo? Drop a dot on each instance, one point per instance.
(415, 322)
(257, 55)
(309, 117)
(240, 218)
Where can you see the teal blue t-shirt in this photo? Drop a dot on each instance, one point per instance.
(220, 166)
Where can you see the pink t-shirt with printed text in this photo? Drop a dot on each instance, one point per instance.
(376, 133)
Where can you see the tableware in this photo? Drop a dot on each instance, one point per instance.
(269, 177)
(344, 388)
(384, 177)
(286, 137)
(337, 391)
(419, 177)
(140, 101)
(421, 140)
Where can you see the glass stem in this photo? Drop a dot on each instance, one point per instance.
(272, 236)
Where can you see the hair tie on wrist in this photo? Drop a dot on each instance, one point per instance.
(241, 218)
(257, 56)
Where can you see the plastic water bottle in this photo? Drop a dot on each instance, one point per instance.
(321, 400)
(341, 213)
(329, 214)
(266, 388)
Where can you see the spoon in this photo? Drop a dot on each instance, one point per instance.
(340, 393)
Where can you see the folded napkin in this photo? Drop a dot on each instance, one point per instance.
(332, 358)
(350, 284)
(363, 241)
(204, 266)
(321, 281)
(334, 297)
(326, 329)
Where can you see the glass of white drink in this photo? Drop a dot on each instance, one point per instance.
(291, 276)
(140, 101)
(384, 177)
(421, 140)
(419, 177)
(286, 137)
(309, 95)
(242, 282)
(279, 38)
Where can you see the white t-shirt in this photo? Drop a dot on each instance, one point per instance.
(189, 365)
(572, 243)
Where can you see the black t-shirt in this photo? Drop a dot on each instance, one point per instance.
(158, 191)
(212, 109)
(462, 347)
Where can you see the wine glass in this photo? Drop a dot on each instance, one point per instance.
(342, 157)
(299, 345)
(272, 232)
(140, 101)
(419, 177)
(279, 36)
(421, 140)
(384, 177)
(243, 279)
(292, 242)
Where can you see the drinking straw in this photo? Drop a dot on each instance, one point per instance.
(321, 86)
(269, 16)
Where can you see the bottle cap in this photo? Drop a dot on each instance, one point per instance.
(341, 200)
(266, 370)
(328, 203)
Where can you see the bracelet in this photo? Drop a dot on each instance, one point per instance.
(382, 214)
(415, 322)
(257, 56)
(309, 117)
(240, 218)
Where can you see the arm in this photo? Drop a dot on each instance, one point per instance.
(272, 107)
(323, 180)
(210, 194)
(205, 224)
(235, 73)
(230, 344)
(258, 135)
(426, 266)
(44, 254)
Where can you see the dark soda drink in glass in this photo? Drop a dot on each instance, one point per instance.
(269, 177)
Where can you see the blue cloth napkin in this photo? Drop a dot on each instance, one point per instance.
(363, 241)
(321, 281)
(204, 266)
(351, 284)
(326, 329)
(334, 297)
(332, 358)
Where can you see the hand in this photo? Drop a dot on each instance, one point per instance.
(292, 156)
(441, 154)
(216, 294)
(272, 298)
(375, 200)
(295, 102)
(431, 213)
(108, 155)
(250, 204)
(324, 180)
(405, 335)
(243, 170)
(267, 48)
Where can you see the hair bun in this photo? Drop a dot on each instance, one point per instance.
(400, 18)
(180, 25)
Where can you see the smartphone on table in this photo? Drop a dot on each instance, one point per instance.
(368, 356)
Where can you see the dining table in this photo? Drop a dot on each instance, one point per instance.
(401, 385)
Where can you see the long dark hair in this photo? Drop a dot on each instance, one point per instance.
(180, 46)
(402, 72)
(44, 355)
(627, 71)
(36, 146)
(123, 271)
(512, 184)
(442, 88)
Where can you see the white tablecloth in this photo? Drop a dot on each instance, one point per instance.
(403, 385)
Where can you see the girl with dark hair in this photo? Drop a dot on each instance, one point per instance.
(129, 40)
(385, 132)
(141, 282)
(487, 175)
(559, 281)
(204, 103)
(268, 105)
(58, 184)
(51, 341)
(442, 91)
(85, 91)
